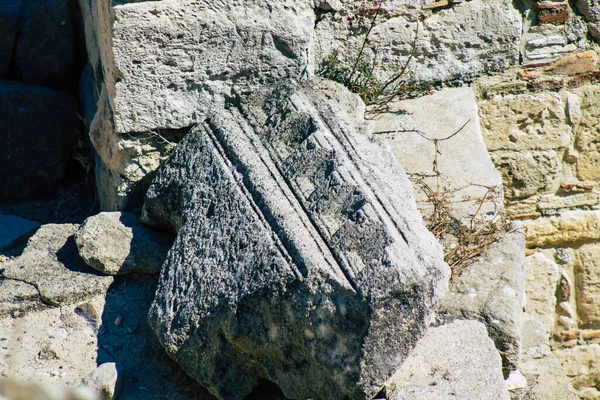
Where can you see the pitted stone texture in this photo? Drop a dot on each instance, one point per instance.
(445, 365)
(172, 59)
(591, 10)
(582, 366)
(524, 122)
(117, 243)
(491, 291)
(526, 173)
(588, 138)
(51, 346)
(587, 276)
(300, 256)
(488, 39)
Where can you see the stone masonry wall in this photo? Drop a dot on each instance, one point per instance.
(542, 127)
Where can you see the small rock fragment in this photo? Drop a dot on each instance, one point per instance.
(105, 381)
(516, 380)
(117, 243)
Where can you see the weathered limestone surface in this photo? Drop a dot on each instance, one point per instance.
(527, 173)
(54, 345)
(588, 136)
(443, 365)
(38, 130)
(464, 166)
(116, 243)
(299, 249)
(587, 279)
(569, 228)
(524, 122)
(582, 365)
(491, 291)
(546, 378)
(488, 38)
(51, 269)
(541, 278)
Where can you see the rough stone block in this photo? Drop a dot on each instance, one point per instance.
(164, 62)
(524, 122)
(443, 365)
(464, 165)
(300, 257)
(541, 278)
(488, 38)
(570, 227)
(491, 290)
(587, 276)
(38, 130)
(116, 243)
(526, 173)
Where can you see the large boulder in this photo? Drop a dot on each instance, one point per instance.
(160, 65)
(300, 257)
(38, 130)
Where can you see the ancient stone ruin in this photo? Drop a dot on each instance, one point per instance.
(299, 199)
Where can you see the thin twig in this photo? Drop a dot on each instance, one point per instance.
(402, 72)
(362, 49)
(421, 133)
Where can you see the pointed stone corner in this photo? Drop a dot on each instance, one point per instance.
(300, 256)
(14, 229)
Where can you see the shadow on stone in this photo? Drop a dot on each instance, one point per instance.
(126, 339)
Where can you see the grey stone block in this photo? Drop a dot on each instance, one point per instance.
(300, 257)
(453, 361)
